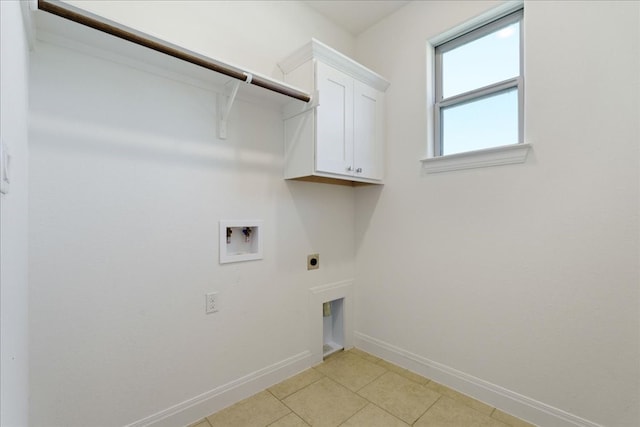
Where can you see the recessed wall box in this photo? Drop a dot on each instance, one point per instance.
(240, 241)
(332, 326)
(313, 262)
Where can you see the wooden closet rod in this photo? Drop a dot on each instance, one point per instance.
(159, 46)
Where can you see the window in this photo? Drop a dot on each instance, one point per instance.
(479, 88)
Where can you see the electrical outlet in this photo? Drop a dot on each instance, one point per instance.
(313, 261)
(211, 303)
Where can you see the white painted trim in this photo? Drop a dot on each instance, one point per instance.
(207, 403)
(431, 99)
(508, 401)
(495, 156)
(484, 18)
(332, 290)
(214, 400)
(318, 50)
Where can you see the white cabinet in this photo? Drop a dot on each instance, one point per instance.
(342, 140)
(334, 121)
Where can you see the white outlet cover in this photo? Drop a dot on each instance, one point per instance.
(211, 302)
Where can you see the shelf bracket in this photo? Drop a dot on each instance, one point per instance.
(313, 103)
(225, 102)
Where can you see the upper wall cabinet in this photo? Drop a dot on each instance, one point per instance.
(341, 140)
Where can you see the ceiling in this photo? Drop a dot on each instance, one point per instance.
(356, 16)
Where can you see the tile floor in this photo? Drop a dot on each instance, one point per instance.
(355, 389)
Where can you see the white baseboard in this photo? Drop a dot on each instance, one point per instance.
(225, 395)
(508, 401)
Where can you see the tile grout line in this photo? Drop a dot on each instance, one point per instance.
(429, 407)
(285, 415)
(394, 416)
(291, 409)
(403, 369)
(357, 391)
(291, 394)
(387, 370)
(377, 406)
(382, 363)
(197, 423)
(285, 405)
(356, 413)
(490, 415)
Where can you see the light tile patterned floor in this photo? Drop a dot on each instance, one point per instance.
(355, 389)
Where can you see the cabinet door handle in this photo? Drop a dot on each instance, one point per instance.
(349, 168)
(359, 170)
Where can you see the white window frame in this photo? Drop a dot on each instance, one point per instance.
(509, 12)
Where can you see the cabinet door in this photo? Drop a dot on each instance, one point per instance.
(334, 121)
(368, 131)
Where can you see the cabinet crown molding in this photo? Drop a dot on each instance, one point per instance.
(318, 50)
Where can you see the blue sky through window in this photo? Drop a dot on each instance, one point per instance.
(490, 121)
(489, 59)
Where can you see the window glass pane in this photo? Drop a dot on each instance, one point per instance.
(481, 62)
(487, 122)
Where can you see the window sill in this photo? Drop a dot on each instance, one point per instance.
(495, 156)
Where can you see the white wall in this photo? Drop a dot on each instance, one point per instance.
(127, 184)
(14, 66)
(253, 34)
(524, 276)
